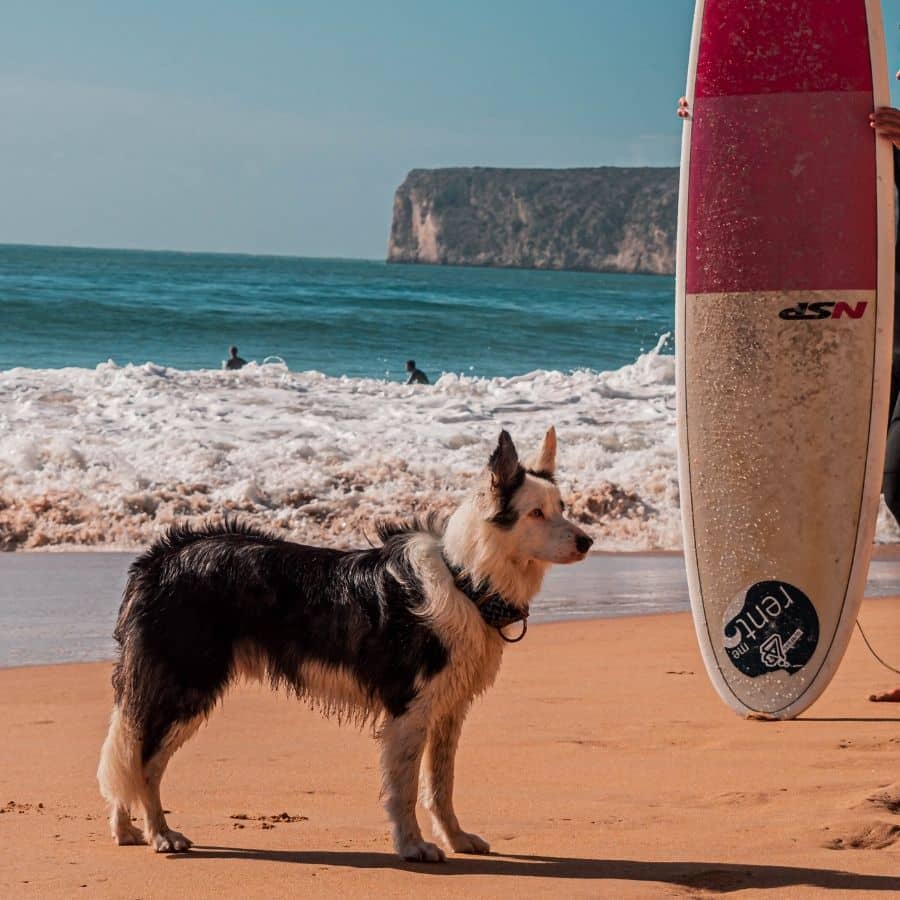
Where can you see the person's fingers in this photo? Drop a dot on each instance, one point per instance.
(886, 121)
(886, 126)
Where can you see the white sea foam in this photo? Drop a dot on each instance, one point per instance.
(109, 456)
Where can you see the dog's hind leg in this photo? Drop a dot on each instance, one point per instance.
(402, 744)
(156, 830)
(437, 785)
(119, 774)
(126, 781)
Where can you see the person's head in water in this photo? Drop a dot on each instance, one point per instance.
(234, 361)
(410, 365)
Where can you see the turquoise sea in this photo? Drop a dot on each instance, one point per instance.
(80, 307)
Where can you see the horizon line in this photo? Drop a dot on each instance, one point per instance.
(266, 255)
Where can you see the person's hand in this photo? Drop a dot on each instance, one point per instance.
(886, 122)
(684, 108)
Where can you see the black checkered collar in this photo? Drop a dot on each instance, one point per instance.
(495, 611)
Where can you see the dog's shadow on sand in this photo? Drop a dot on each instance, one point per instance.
(714, 877)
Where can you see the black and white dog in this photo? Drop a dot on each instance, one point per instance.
(404, 635)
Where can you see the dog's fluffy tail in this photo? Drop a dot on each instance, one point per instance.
(120, 769)
(434, 524)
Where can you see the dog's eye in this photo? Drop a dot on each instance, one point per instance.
(536, 514)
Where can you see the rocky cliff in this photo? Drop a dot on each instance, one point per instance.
(599, 220)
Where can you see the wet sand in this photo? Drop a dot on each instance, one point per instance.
(61, 606)
(601, 764)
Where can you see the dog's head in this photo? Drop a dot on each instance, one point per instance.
(523, 503)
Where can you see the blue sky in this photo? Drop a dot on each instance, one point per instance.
(286, 127)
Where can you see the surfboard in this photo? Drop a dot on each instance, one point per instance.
(784, 294)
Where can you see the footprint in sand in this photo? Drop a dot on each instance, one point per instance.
(866, 836)
(886, 799)
(873, 834)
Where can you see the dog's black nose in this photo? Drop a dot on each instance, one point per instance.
(583, 543)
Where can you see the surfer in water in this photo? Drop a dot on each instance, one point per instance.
(416, 375)
(886, 122)
(234, 361)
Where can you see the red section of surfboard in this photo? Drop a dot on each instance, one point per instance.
(780, 128)
(775, 46)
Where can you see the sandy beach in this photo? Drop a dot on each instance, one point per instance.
(601, 764)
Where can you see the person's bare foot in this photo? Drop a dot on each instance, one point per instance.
(886, 696)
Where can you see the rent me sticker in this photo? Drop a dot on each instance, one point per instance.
(770, 627)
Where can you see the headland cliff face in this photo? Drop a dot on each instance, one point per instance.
(599, 220)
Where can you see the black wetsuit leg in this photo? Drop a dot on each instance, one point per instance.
(891, 484)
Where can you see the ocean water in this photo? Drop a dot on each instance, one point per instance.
(75, 307)
(116, 419)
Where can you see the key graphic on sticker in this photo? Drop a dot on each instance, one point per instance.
(774, 652)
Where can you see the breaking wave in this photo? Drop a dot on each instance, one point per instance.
(107, 457)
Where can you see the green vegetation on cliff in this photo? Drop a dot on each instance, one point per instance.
(600, 220)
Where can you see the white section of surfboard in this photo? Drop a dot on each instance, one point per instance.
(780, 473)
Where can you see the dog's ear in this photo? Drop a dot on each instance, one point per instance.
(504, 462)
(544, 461)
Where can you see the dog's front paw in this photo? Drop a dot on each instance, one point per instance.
(469, 843)
(169, 842)
(421, 851)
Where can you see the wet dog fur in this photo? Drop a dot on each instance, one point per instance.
(382, 636)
